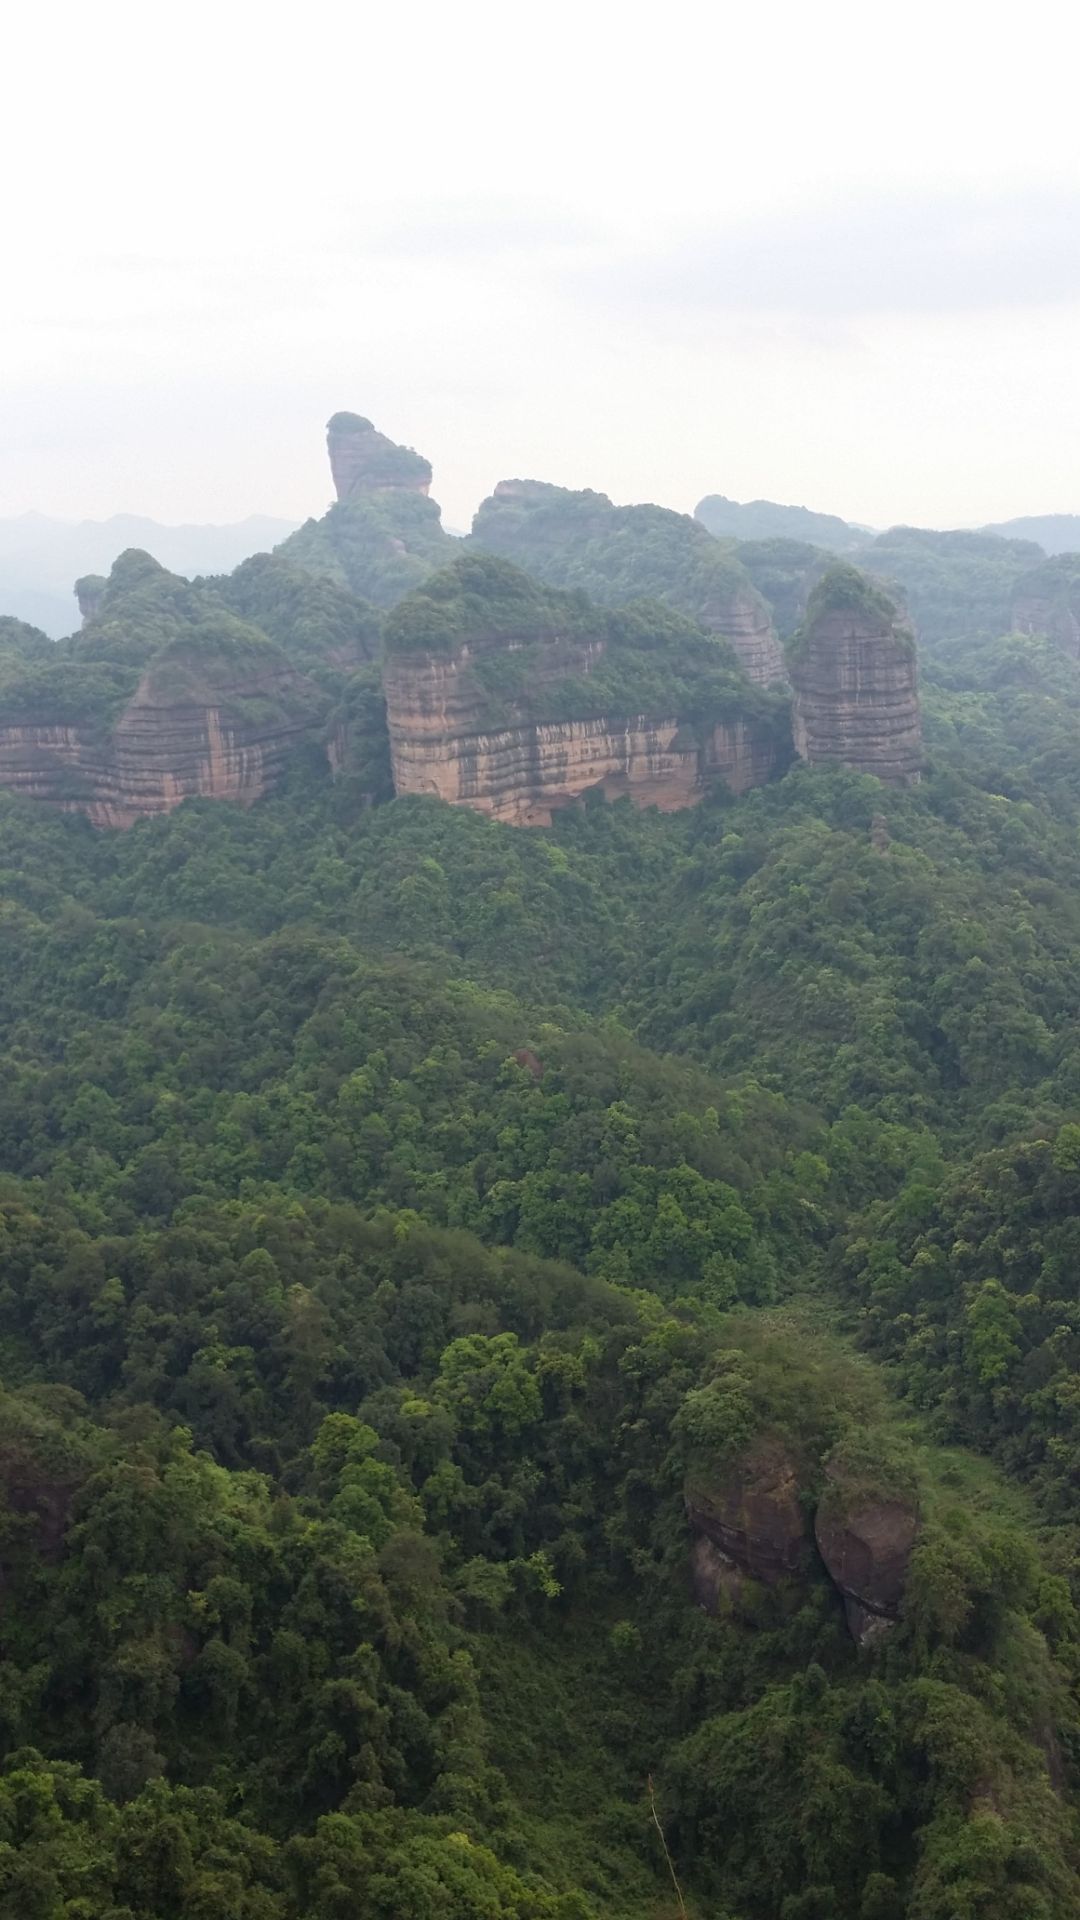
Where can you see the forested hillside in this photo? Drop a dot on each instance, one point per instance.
(538, 1365)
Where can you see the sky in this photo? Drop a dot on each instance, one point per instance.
(825, 255)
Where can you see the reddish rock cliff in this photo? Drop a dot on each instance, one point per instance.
(164, 694)
(362, 460)
(164, 748)
(468, 714)
(853, 670)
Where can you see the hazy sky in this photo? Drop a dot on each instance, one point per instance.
(825, 254)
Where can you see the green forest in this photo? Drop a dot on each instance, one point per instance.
(425, 1241)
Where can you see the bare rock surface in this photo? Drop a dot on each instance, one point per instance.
(853, 670)
(866, 1541)
(522, 773)
(752, 1512)
(363, 460)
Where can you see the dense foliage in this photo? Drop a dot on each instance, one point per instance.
(539, 654)
(379, 545)
(958, 586)
(401, 1214)
(580, 541)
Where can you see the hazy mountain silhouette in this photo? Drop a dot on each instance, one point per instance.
(41, 558)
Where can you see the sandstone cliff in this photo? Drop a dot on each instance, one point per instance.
(853, 670)
(621, 554)
(748, 1524)
(163, 695)
(1047, 600)
(515, 701)
(751, 1513)
(865, 1530)
(383, 536)
(163, 750)
(362, 460)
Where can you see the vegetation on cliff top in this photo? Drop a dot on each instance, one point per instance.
(237, 640)
(371, 1287)
(958, 586)
(379, 545)
(843, 589)
(767, 520)
(614, 554)
(377, 461)
(534, 653)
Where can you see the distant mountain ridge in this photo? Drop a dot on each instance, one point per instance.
(767, 520)
(1054, 532)
(41, 558)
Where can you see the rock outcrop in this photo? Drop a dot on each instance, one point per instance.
(748, 1524)
(363, 460)
(853, 669)
(516, 701)
(383, 536)
(751, 1513)
(1047, 601)
(866, 1537)
(742, 618)
(89, 593)
(619, 554)
(165, 694)
(164, 748)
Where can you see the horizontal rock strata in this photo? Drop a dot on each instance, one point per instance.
(156, 756)
(523, 773)
(856, 700)
(744, 621)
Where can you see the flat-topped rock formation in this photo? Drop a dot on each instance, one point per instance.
(516, 700)
(620, 554)
(853, 670)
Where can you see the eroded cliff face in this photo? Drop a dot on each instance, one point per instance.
(743, 619)
(524, 771)
(363, 460)
(163, 749)
(749, 1529)
(619, 554)
(853, 670)
(867, 1552)
(752, 1517)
